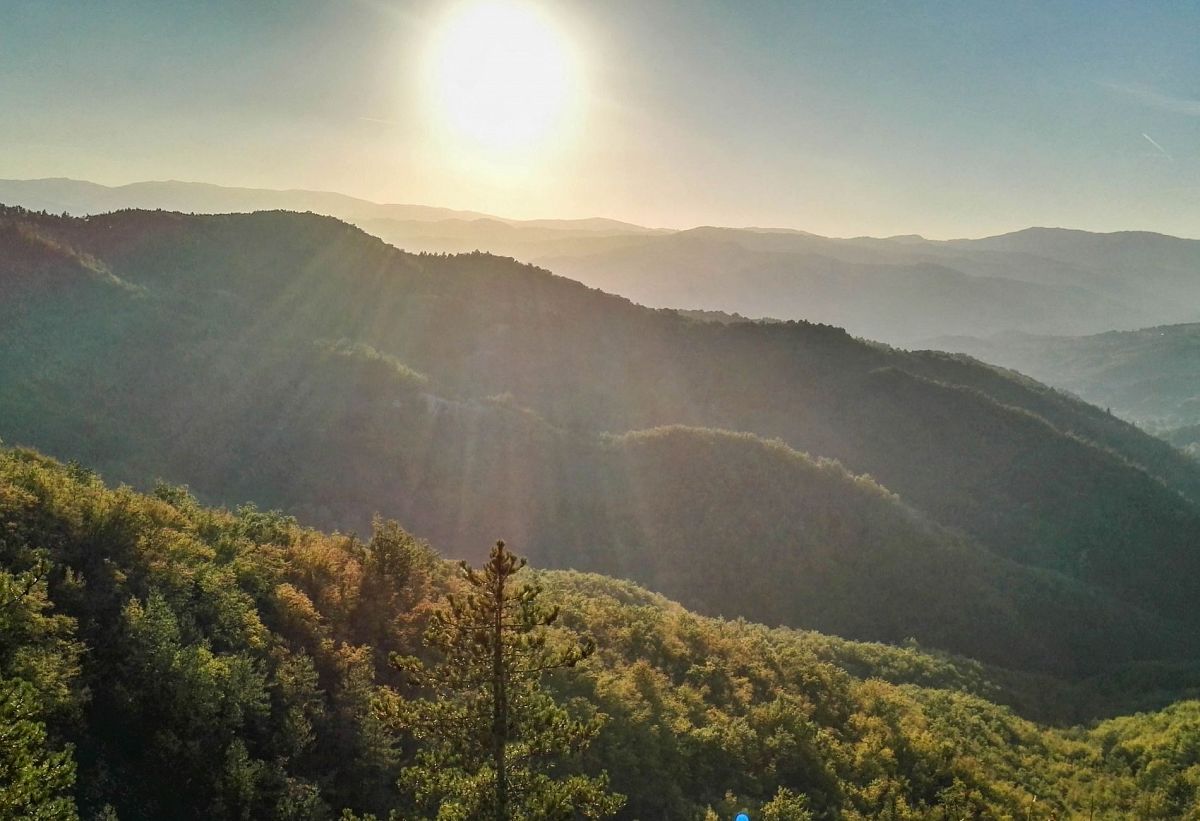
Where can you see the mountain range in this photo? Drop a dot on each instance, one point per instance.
(868, 491)
(902, 290)
(905, 290)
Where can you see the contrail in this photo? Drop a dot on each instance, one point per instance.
(1161, 150)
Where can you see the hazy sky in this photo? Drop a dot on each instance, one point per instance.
(844, 118)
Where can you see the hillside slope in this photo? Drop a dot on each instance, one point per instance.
(905, 289)
(1150, 376)
(164, 660)
(897, 289)
(888, 293)
(294, 360)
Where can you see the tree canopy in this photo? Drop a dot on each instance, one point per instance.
(164, 659)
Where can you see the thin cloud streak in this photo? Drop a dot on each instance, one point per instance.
(1156, 99)
(1160, 149)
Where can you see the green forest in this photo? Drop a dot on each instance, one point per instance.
(874, 493)
(1146, 376)
(162, 659)
(773, 568)
(558, 410)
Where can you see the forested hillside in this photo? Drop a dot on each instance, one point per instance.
(900, 289)
(1148, 376)
(296, 361)
(159, 659)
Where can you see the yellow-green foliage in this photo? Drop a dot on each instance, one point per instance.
(163, 659)
(732, 715)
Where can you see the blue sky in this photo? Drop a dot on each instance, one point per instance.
(946, 119)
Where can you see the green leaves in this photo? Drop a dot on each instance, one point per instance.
(35, 781)
(161, 659)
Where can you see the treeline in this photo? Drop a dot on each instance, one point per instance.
(163, 659)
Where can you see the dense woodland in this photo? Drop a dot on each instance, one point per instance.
(1147, 376)
(163, 659)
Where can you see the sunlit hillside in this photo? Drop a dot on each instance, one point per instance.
(147, 637)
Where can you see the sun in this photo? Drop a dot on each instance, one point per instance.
(501, 76)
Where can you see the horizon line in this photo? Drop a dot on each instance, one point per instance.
(482, 215)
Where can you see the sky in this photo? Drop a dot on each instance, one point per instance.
(841, 118)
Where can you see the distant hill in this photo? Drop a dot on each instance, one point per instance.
(1130, 262)
(297, 361)
(904, 289)
(81, 198)
(895, 297)
(901, 289)
(1149, 376)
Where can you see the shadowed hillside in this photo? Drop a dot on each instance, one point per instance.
(1149, 376)
(294, 360)
(901, 289)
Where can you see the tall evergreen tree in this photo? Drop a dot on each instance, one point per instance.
(495, 741)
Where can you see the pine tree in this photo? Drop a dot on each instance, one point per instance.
(494, 740)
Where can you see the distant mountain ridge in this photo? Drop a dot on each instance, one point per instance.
(80, 198)
(901, 289)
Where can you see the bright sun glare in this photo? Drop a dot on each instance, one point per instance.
(502, 77)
